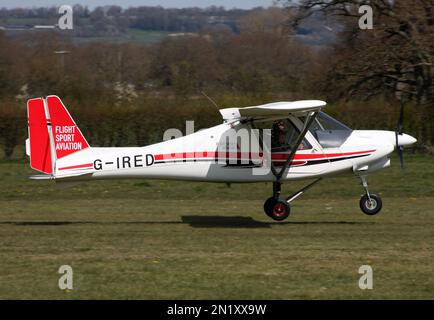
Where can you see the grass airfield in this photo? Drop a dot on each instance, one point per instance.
(144, 239)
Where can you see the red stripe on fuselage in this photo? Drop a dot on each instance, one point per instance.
(302, 156)
(77, 166)
(241, 155)
(299, 159)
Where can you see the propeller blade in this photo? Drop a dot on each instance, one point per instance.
(401, 118)
(401, 156)
(399, 131)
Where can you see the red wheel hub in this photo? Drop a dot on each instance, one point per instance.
(279, 209)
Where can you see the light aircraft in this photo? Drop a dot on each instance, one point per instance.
(293, 140)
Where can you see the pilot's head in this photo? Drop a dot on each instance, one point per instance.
(280, 125)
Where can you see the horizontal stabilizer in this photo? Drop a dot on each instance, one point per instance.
(41, 177)
(74, 176)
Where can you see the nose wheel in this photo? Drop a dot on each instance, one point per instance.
(279, 208)
(370, 203)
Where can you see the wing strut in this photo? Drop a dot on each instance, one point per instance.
(287, 165)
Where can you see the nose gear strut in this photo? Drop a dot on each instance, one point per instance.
(370, 203)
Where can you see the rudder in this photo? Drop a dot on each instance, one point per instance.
(39, 151)
(53, 133)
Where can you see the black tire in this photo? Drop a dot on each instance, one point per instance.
(279, 211)
(268, 205)
(371, 207)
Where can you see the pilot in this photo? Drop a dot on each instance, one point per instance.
(282, 136)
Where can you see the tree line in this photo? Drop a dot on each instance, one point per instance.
(104, 20)
(128, 93)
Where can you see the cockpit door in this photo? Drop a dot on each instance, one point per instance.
(311, 158)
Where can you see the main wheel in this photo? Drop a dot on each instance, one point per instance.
(372, 206)
(279, 210)
(268, 205)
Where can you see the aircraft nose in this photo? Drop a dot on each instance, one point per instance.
(406, 140)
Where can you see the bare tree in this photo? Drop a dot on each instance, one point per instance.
(395, 57)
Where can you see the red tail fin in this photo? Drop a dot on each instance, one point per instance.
(63, 137)
(40, 153)
(66, 135)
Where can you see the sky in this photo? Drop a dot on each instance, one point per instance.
(228, 4)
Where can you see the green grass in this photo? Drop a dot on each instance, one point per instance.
(28, 21)
(146, 36)
(131, 35)
(162, 240)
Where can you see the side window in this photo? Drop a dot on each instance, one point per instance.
(284, 135)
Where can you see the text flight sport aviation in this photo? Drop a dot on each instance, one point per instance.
(286, 141)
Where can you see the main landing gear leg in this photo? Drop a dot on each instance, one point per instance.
(276, 208)
(279, 209)
(370, 203)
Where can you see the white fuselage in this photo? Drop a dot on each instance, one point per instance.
(195, 157)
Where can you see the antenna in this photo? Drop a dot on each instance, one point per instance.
(212, 101)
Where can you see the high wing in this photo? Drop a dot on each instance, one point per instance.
(272, 110)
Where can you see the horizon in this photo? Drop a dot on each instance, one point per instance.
(227, 4)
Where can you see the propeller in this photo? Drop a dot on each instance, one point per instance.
(398, 132)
